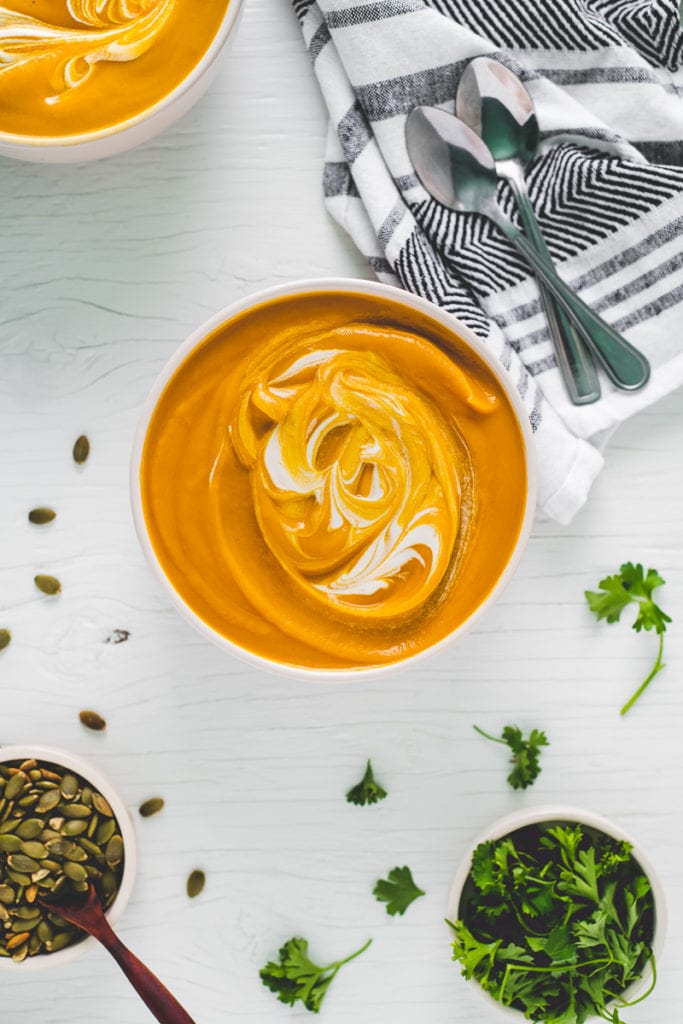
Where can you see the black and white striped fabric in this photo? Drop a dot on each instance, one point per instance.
(606, 77)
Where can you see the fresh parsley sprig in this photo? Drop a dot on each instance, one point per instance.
(632, 585)
(296, 978)
(398, 891)
(367, 791)
(526, 754)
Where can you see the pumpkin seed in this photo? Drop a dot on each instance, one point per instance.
(91, 720)
(47, 584)
(77, 811)
(5, 638)
(195, 883)
(41, 516)
(31, 828)
(10, 843)
(151, 806)
(81, 449)
(20, 862)
(15, 786)
(101, 805)
(34, 849)
(48, 801)
(68, 787)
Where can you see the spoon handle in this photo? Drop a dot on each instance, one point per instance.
(575, 361)
(624, 365)
(153, 993)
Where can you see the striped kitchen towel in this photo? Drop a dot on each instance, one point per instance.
(607, 184)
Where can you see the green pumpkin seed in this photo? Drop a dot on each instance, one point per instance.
(15, 786)
(10, 843)
(77, 854)
(151, 806)
(60, 941)
(76, 872)
(19, 878)
(8, 826)
(48, 801)
(45, 932)
(81, 449)
(6, 894)
(101, 805)
(61, 847)
(34, 849)
(114, 851)
(69, 786)
(77, 811)
(105, 832)
(5, 638)
(47, 584)
(20, 862)
(74, 827)
(195, 883)
(31, 828)
(92, 720)
(41, 516)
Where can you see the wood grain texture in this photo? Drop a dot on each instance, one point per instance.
(104, 269)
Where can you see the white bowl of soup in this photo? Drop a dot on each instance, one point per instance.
(333, 477)
(84, 79)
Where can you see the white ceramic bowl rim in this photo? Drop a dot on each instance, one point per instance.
(209, 56)
(347, 286)
(83, 767)
(560, 812)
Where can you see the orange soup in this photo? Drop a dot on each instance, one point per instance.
(331, 481)
(69, 67)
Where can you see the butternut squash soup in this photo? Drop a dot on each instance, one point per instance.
(69, 67)
(333, 481)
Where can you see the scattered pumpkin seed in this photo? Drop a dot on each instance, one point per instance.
(48, 584)
(91, 720)
(41, 516)
(81, 449)
(43, 849)
(151, 806)
(5, 638)
(195, 883)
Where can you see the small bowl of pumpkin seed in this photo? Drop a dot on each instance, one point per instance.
(63, 826)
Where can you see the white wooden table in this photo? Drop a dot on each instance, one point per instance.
(104, 269)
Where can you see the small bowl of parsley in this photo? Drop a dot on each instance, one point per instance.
(558, 916)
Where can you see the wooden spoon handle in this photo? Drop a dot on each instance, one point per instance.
(153, 993)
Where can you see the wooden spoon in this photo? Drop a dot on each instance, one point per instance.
(89, 915)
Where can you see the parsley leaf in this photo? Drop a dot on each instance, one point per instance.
(367, 791)
(297, 978)
(398, 892)
(632, 585)
(525, 753)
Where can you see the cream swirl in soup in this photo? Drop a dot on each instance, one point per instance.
(355, 480)
(71, 67)
(117, 30)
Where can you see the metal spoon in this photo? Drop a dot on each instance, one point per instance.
(492, 100)
(457, 169)
(88, 915)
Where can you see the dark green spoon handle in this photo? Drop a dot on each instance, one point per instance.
(573, 356)
(626, 367)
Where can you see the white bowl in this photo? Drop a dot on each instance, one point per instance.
(88, 771)
(559, 812)
(138, 129)
(361, 288)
